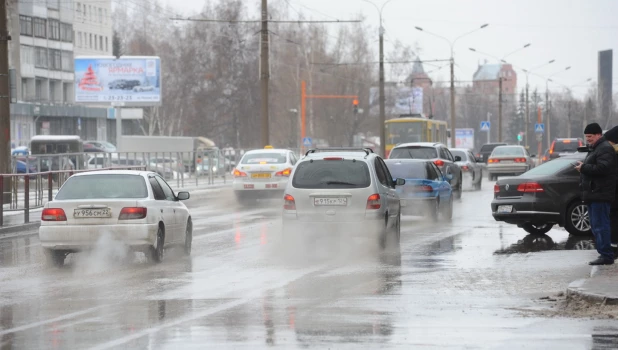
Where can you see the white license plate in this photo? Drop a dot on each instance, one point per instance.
(505, 209)
(340, 201)
(92, 213)
(506, 161)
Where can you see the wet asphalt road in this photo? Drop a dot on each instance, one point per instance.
(469, 283)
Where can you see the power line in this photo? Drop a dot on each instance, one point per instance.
(363, 63)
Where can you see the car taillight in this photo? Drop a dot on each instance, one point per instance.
(373, 202)
(551, 149)
(493, 160)
(520, 160)
(423, 188)
(238, 173)
(53, 214)
(288, 202)
(438, 162)
(496, 188)
(528, 187)
(464, 167)
(132, 213)
(284, 172)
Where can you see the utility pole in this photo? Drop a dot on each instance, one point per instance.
(382, 113)
(5, 107)
(547, 117)
(264, 74)
(527, 117)
(453, 141)
(500, 109)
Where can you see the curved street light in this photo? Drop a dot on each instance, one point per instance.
(452, 61)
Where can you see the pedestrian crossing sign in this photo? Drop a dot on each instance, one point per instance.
(539, 128)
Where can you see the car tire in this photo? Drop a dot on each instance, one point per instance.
(448, 212)
(536, 229)
(390, 237)
(188, 238)
(54, 257)
(156, 253)
(459, 189)
(492, 177)
(577, 221)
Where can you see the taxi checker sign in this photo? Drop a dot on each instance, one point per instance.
(132, 80)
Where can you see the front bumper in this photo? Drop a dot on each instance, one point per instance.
(83, 237)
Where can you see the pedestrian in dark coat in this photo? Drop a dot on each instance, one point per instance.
(612, 137)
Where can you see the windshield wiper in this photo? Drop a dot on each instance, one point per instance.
(339, 183)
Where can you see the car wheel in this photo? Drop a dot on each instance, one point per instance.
(536, 229)
(188, 237)
(577, 221)
(492, 177)
(156, 253)
(54, 257)
(448, 212)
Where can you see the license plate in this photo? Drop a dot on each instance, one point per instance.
(403, 202)
(330, 201)
(92, 213)
(260, 176)
(505, 208)
(506, 161)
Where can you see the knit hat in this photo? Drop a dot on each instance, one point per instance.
(593, 128)
(612, 135)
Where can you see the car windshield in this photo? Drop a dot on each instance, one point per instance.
(507, 151)
(461, 154)
(319, 173)
(488, 148)
(407, 170)
(552, 167)
(566, 146)
(414, 153)
(264, 158)
(103, 186)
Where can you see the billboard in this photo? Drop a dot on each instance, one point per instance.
(128, 80)
(464, 138)
(398, 100)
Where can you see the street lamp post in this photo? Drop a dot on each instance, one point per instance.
(547, 105)
(527, 107)
(500, 79)
(568, 89)
(381, 98)
(452, 62)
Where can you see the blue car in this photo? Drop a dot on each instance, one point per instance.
(20, 167)
(426, 192)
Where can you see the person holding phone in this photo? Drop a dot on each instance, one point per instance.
(612, 137)
(598, 176)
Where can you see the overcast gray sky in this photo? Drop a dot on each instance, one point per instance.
(570, 31)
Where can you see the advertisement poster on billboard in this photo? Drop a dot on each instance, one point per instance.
(132, 80)
(398, 100)
(464, 138)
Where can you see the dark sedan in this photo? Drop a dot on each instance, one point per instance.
(545, 196)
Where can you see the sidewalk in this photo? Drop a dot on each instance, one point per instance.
(14, 220)
(601, 287)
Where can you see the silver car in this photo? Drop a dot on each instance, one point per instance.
(471, 168)
(508, 160)
(342, 191)
(438, 154)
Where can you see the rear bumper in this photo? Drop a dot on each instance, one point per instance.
(507, 169)
(526, 211)
(83, 237)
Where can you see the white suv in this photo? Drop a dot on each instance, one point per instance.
(339, 191)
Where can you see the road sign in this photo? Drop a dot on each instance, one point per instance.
(539, 128)
(307, 141)
(539, 137)
(485, 126)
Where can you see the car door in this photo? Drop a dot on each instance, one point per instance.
(387, 187)
(478, 171)
(449, 165)
(166, 212)
(177, 208)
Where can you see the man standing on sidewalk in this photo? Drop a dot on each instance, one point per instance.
(598, 184)
(612, 137)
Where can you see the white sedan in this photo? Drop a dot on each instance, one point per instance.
(263, 173)
(136, 208)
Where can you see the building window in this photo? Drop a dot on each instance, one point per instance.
(40, 57)
(101, 42)
(55, 59)
(95, 41)
(100, 15)
(38, 89)
(25, 25)
(24, 89)
(67, 61)
(54, 29)
(85, 12)
(39, 28)
(90, 41)
(105, 16)
(106, 47)
(27, 54)
(79, 8)
(66, 32)
(79, 39)
(52, 90)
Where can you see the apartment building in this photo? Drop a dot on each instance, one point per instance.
(92, 27)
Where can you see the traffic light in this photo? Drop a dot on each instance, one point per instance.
(355, 103)
(519, 137)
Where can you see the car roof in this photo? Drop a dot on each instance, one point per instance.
(406, 160)
(268, 150)
(115, 172)
(460, 149)
(514, 146)
(422, 144)
(344, 154)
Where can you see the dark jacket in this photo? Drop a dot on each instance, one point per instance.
(599, 173)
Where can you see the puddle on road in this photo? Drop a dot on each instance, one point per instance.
(538, 243)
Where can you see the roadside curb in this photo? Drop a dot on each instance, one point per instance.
(19, 228)
(600, 288)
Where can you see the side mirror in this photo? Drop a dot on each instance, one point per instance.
(181, 196)
(533, 155)
(400, 182)
(448, 177)
(457, 158)
(584, 149)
